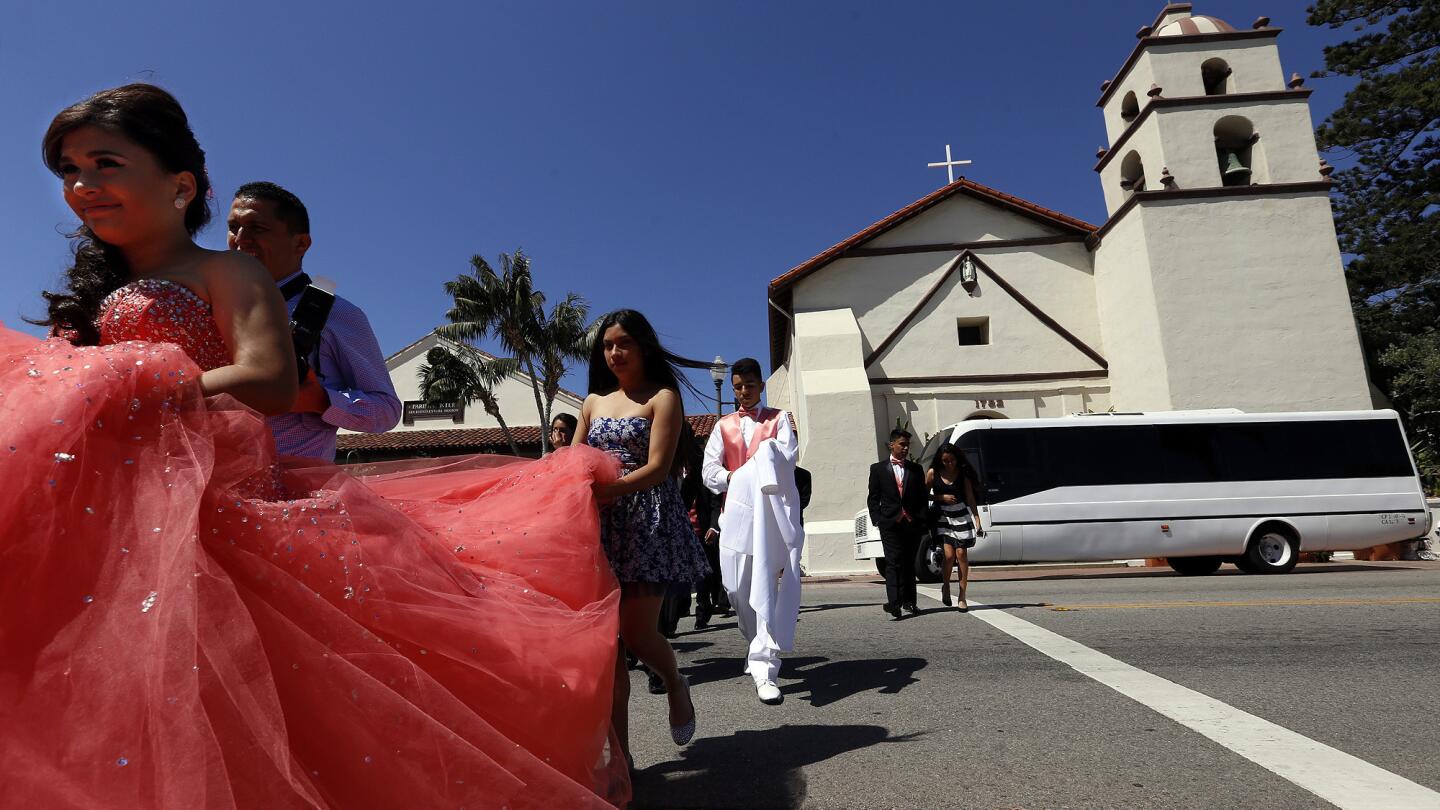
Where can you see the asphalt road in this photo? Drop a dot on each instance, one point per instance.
(946, 710)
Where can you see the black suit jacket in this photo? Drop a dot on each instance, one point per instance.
(886, 500)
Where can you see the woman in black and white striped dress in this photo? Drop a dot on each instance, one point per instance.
(951, 481)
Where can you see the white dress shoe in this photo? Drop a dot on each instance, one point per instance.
(768, 692)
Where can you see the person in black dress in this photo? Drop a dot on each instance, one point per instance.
(951, 481)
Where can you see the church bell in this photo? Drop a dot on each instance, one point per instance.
(1232, 170)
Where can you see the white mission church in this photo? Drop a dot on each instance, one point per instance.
(1215, 282)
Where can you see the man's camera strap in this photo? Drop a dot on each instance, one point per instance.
(310, 312)
(295, 286)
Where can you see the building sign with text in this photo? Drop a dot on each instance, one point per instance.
(454, 411)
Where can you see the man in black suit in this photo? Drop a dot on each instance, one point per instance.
(897, 507)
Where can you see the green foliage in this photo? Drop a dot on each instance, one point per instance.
(506, 305)
(1414, 364)
(468, 377)
(1386, 203)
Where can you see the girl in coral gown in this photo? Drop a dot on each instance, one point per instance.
(186, 622)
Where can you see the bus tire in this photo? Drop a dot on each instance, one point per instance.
(928, 560)
(1273, 549)
(880, 566)
(1194, 566)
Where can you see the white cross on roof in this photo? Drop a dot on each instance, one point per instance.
(949, 164)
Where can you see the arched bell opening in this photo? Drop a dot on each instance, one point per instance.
(1237, 152)
(1129, 107)
(1217, 78)
(1132, 173)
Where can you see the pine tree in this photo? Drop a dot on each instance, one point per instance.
(1386, 203)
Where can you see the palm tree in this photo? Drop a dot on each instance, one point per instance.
(507, 306)
(561, 337)
(449, 377)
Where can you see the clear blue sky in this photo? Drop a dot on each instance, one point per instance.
(667, 156)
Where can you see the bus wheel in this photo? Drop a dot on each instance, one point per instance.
(1271, 550)
(880, 566)
(928, 560)
(1194, 566)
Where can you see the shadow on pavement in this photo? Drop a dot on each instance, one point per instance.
(750, 769)
(832, 606)
(823, 681)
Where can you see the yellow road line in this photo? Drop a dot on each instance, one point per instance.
(1253, 603)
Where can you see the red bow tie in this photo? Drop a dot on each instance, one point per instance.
(753, 413)
(897, 462)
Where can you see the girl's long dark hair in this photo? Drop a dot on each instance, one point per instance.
(153, 119)
(659, 363)
(961, 463)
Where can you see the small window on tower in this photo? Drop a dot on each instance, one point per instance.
(974, 331)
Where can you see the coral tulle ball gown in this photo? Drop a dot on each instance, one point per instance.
(185, 623)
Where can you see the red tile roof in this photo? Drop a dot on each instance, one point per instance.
(779, 291)
(474, 440)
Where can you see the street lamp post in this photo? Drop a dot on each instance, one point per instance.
(717, 373)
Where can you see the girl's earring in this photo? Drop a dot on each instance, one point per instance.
(180, 202)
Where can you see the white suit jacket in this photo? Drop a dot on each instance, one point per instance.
(762, 519)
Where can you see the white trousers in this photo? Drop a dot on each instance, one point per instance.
(762, 660)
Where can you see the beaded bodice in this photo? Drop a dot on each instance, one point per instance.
(161, 311)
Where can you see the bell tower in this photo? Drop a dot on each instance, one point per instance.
(1218, 278)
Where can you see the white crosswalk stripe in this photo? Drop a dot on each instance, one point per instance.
(1335, 776)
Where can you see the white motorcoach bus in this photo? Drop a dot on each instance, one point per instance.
(1198, 488)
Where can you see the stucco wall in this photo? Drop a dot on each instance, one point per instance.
(1134, 337)
(1251, 295)
(1137, 80)
(1152, 150)
(1285, 153)
(1055, 278)
(834, 411)
(1254, 64)
(961, 219)
(883, 290)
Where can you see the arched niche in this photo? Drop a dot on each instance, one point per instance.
(986, 415)
(1237, 152)
(1129, 107)
(1215, 74)
(1132, 173)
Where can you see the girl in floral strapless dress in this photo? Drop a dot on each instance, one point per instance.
(634, 413)
(192, 623)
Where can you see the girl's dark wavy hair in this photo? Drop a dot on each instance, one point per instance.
(153, 119)
(961, 461)
(659, 363)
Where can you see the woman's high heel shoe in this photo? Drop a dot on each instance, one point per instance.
(682, 734)
(945, 595)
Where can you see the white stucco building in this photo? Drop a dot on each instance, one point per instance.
(456, 428)
(1216, 281)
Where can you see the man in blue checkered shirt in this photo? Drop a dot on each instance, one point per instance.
(348, 385)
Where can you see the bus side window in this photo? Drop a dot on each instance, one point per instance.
(969, 444)
(1188, 454)
(1013, 466)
